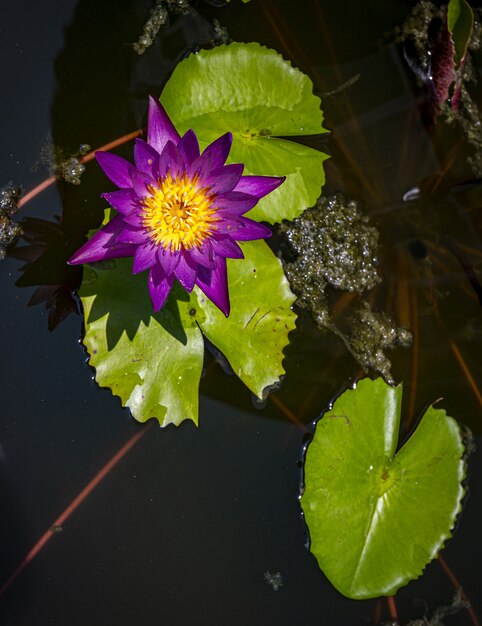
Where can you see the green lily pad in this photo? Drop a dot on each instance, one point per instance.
(152, 361)
(376, 517)
(460, 23)
(254, 93)
(253, 337)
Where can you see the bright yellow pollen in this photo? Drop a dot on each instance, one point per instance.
(179, 213)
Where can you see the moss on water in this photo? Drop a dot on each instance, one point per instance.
(333, 246)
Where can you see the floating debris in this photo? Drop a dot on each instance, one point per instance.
(9, 230)
(457, 605)
(159, 17)
(62, 164)
(71, 170)
(274, 580)
(333, 246)
(371, 335)
(426, 42)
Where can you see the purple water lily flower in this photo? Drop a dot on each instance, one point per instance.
(180, 212)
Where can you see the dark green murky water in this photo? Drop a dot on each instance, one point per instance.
(186, 526)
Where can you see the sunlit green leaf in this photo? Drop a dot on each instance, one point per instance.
(254, 93)
(152, 361)
(253, 337)
(376, 517)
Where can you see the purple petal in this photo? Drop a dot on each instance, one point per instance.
(159, 287)
(96, 248)
(133, 235)
(186, 271)
(204, 255)
(259, 186)
(226, 247)
(235, 202)
(171, 161)
(224, 178)
(250, 230)
(134, 218)
(116, 168)
(200, 168)
(141, 183)
(215, 285)
(144, 258)
(146, 158)
(189, 147)
(160, 129)
(228, 225)
(167, 259)
(218, 150)
(123, 201)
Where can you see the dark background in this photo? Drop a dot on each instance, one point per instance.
(184, 528)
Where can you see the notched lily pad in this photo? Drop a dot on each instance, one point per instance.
(254, 93)
(376, 517)
(152, 361)
(253, 337)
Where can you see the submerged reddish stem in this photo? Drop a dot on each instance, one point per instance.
(458, 586)
(85, 159)
(63, 517)
(392, 608)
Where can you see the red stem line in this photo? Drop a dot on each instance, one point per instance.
(63, 517)
(392, 608)
(457, 585)
(85, 159)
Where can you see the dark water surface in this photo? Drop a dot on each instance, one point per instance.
(185, 527)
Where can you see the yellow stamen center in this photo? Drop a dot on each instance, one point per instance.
(179, 213)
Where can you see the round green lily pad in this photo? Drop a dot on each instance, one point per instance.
(376, 516)
(252, 92)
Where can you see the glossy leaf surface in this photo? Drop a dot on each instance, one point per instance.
(376, 517)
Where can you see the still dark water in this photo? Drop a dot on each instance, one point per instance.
(184, 528)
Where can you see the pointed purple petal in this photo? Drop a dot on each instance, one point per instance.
(226, 247)
(250, 230)
(218, 150)
(141, 183)
(134, 218)
(160, 129)
(189, 147)
(225, 178)
(215, 285)
(235, 202)
(144, 258)
(123, 201)
(159, 287)
(116, 168)
(259, 186)
(95, 249)
(133, 235)
(204, 255)
(228, 225)
(200, 168)
(171, 161)
(185, 271)
(146, 158)
(167, 259)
